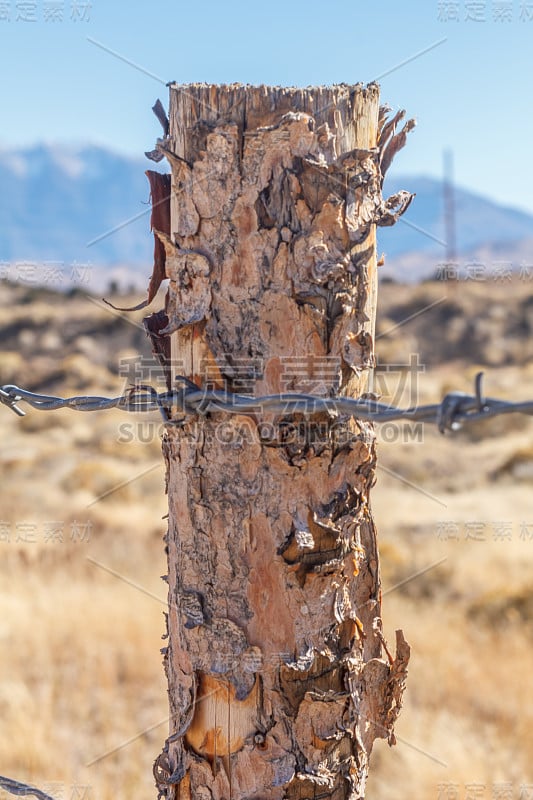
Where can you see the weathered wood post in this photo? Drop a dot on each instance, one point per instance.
(277, 681)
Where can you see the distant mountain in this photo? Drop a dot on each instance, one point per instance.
(488, 234)
(88, 204)
(56, 201)
(479, 221)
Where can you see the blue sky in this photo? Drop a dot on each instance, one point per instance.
(470, 92)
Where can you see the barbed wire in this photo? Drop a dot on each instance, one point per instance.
(22, 789)
(454, 410)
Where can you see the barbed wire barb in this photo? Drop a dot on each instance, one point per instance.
(454, 410)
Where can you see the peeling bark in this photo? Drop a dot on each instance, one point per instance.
(154, 324)
(160, 225)
(277, 682)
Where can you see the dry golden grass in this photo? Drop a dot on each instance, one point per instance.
(82, 691)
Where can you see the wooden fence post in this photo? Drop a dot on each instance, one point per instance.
(277, 681)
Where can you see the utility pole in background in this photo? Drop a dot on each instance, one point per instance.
(449, 209)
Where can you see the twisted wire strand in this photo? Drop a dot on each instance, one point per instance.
(454, 410)
(22, 789)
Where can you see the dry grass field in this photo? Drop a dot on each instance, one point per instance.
(82, 693)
